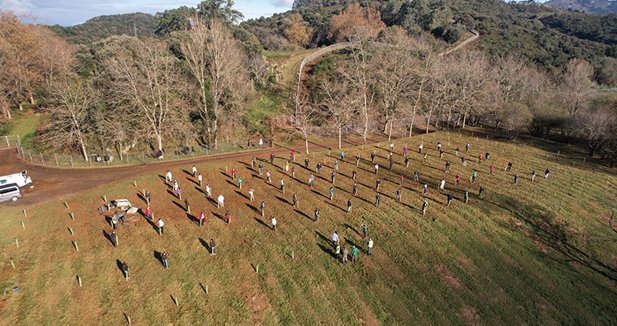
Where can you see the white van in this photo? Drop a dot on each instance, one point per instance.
(9, 191)
(21, 179)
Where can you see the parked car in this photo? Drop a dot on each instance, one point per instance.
(9, 191)
(21, 179)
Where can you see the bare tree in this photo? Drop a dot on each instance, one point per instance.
(392, 75)
(338, 102)
(69, 123)
(303, 118)
(145, 80)
(227, 73)
(576, 86)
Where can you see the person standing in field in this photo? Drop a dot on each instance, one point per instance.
(370, 246)
(253, 162)
(187, 206)
(318, 167)
(114, 238)
(262, 208)
(292, 156)
(406, 161)
(425, 158)
(179, 193)
(268, 177)
(125, 270)
(376, 168)
(345, 254)
(442, 184)
(398, 195)
(349, 206)
(509, 167)
(272, 158)
(447, 166)
(416, 176)
(261, 168)
(316, 215)
(165, 259)
(391, 147)
(425, 189)
(282, 185)
(337, 252)
(357, 160)
(208, 191)
(377, 184)
(457, 151)
(467, 147)
(293, 172)
(148, 212)
(194, 170)
(212, 247)
(161, 226)
(294, 200)
(377, 199)
(373, 155)
(332, 177)
(449, 198)
(533, 176)
(474, 176)
(354, 189)
(311, 181)
(466, 197)
(401, 180)
(354, 175)
(227, 216)
(240, 181)
(516, 179)
(354, 253)
(546, 173)
(200, 179)
(331, 191)
(491, 169)
(424, 207)
(201, 218)
(481, 192)
(335, 239)
(364, 228)
(148, 197)
(168, 177)
(175, 184)
(221, 201)
(286, 167)
(336, 165)
(421, 148)
(458, 179)
(251, 194)
(273, 223)
(306, 163)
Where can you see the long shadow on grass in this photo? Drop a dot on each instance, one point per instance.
(179, 205)
(205, 244)
(233, 184)
(253, 208)
(327, 250)
(283, 200)
(107, 236)
(157, 256)
(335, 206)
(262, 222)
(242, 195)
(303, 214)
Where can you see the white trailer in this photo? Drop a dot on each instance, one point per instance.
(21, 179)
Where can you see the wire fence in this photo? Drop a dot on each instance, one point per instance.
(96, 160)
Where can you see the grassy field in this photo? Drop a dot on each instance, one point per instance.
(541, 253)
(24, 125)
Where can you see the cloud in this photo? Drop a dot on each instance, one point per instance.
(18, 7)
(283, 3)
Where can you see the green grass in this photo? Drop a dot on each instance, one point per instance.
(538, 253)
(24, 124)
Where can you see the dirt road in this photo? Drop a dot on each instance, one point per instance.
(51, 183)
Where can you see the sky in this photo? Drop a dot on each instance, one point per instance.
(72, 12)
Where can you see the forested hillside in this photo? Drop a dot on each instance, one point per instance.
(101, 27)
(589, 6)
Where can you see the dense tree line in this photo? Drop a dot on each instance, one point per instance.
(102, 27)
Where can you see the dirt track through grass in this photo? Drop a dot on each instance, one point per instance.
(525, 254)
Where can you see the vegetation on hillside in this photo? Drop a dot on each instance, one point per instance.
(102, 27)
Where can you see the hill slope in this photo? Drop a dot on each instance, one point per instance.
(589, 6)
(102, 27)
(539, 253)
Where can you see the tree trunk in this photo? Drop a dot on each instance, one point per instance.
(215, 129)
(390, 133)
(21, 106)
(464, 118)
(306, 144)
(159, 141)
(83, 149)
(340, 137)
